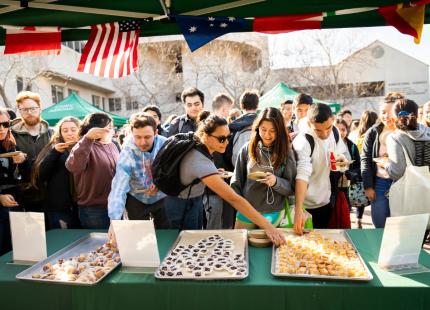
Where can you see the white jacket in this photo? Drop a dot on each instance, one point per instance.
(316, 169)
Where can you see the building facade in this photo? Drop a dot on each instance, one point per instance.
(231, 64)
(360, 81)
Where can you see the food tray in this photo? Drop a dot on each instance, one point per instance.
(192, 236)
(89, 242)
(337, 235)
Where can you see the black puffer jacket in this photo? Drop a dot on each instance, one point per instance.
(369, 152)
(53, 171)
(8, 175)
(188, 125)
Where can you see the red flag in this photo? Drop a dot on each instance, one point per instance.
(407, 18)
(33, 40)
(287, 23)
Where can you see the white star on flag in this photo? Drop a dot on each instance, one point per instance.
(211, 18)
(223, 25)
(192, 29)
(231, 19)
(211, 25)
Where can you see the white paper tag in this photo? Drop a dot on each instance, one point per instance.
(402, 240)
(28, 236)
(137, 243)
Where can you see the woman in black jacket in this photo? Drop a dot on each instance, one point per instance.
(376, 181)
(60, 204)
(12, 169)
(342, 181)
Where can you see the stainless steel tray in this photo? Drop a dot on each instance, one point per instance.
(337, 235)
(226, 234)
(89, 242)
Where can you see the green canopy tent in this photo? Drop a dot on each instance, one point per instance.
(77, 107)
(281, 92)
(81, 13)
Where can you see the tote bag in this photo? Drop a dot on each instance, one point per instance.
(288, 223)
(410, 195)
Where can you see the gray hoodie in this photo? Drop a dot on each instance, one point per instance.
(255, 192)
(397, 166)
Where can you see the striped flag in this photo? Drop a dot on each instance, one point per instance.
(32, 40)
(111, 50)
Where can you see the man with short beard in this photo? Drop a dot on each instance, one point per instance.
(31, 134)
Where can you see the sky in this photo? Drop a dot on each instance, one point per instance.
(388, 35)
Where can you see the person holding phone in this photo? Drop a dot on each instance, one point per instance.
(93, 163)
(270, 151)
(60, 206)
(12, 169)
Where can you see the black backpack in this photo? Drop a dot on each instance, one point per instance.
(311, 139)
(165, 168)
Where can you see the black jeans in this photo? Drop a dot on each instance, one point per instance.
(321, 216)
(139, 211)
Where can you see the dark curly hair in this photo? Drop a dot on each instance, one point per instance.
(98, 120)
(405, 122)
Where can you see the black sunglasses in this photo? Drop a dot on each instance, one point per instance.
(223, 138)
(6, 124)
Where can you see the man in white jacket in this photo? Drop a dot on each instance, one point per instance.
(312, 145)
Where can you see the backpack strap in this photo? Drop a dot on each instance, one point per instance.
(311, 142)
(181, 125)
(181, 225)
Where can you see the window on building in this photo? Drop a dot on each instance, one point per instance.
(174, 58)
(72, 91)
(251, 61)
(114, 104)
(103, 104)
(370, 89)
(96, 101)
(77, 46)
(131, 104)
(57, 93)
(20, 85)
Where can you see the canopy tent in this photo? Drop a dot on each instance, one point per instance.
(281, 92)
(77, 107)
(82, 13)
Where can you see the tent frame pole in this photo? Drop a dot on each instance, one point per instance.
(69, 8)
(222, 7)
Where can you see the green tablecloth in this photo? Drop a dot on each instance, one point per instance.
(261, 290)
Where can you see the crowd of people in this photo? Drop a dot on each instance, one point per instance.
(83, 174)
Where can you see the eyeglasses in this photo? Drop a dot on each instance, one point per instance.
(6, 124)
(223, 138)
(29, 110)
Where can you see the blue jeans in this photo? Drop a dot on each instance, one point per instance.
(5, 234)
(64, 219)
(94, 218)
(381, 206)
(175, 207)
(359, 212)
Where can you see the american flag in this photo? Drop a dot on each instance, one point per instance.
(111, 50)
